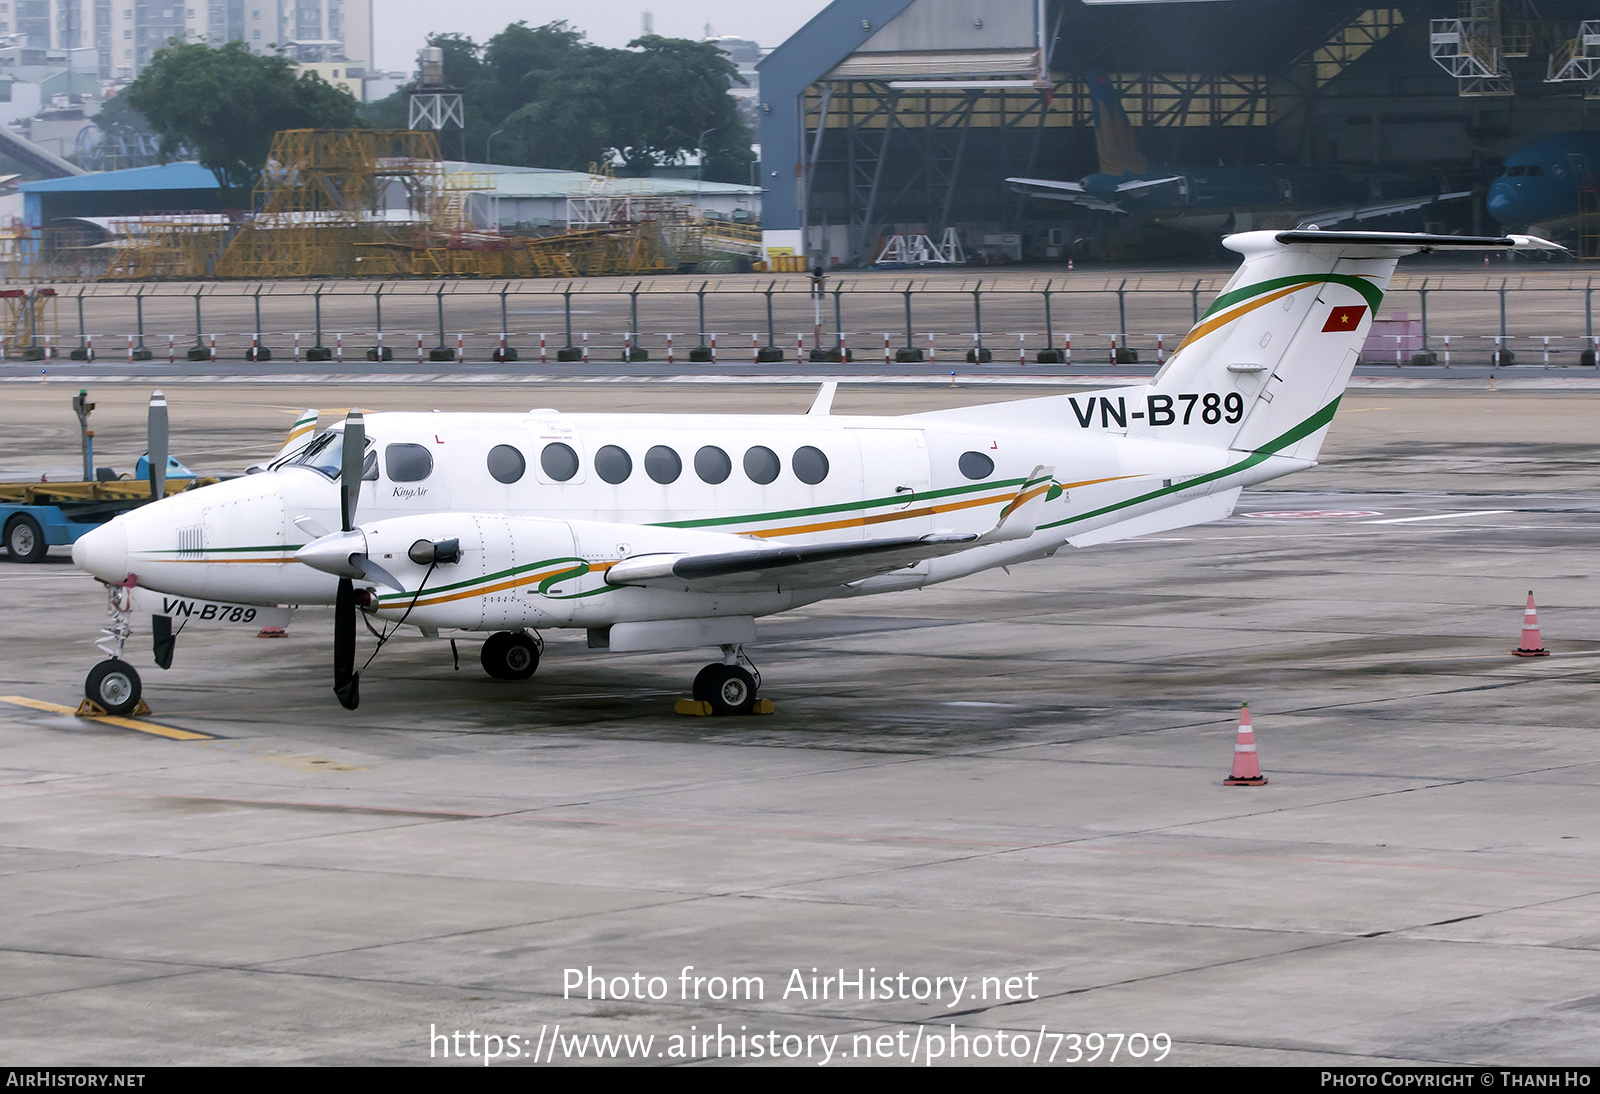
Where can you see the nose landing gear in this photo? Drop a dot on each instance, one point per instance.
(113, 685)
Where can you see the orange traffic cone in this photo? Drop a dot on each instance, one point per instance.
(1532, 645)
(1246, 767)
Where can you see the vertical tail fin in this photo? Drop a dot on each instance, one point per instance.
(300, 434)
(1114, 143)
(1264, 368)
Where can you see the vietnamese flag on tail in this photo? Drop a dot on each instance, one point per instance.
(1345, 317)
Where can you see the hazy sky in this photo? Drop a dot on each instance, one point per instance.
(402, 25)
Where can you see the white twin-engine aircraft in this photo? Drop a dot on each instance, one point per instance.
(658, 531)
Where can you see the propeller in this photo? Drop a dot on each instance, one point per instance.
(156, 446)
(346, 681)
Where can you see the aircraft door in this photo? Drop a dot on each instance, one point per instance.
(895, 481)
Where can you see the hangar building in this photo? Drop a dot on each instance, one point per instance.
(886, 116)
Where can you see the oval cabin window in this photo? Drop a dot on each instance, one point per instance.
(559, 461)
(408, 462)
(662, 464)
(810, 465)
(975, 465)
(761, 465)
(612, 464)
(712, 465)
(506, 464)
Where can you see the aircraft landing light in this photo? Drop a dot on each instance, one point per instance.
(169, 732)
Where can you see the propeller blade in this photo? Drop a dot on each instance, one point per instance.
(353, 462)
(375, 573)
(156, 446)
(346, 681)
(310, 527)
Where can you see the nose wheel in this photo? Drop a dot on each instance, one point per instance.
(114, 685)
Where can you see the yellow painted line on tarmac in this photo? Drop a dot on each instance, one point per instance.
(110, 719)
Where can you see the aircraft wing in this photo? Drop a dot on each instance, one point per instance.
(1376, 209)
(1056, 190)
(821, 565)
(1137, 185)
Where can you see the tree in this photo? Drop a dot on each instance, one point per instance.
(672, 92)
(555, 100)
(226, 103)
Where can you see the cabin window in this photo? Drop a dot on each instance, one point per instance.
(369, 467)
(975, 465)
(712, 464)
(559, 461)
(761, 465)
(612, 464)
(408, 462)
(810, 465)
(663, 465)
(506, 464)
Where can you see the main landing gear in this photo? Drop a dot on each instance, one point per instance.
(511, 655)
(113, 685)
(728, 686)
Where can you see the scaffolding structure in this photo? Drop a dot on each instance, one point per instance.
(27, 323)
(156, 248)
(383, 203)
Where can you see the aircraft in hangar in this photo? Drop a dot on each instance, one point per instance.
(1217, 197)
(1543, 182)
(661, 531)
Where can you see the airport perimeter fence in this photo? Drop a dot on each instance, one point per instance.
(1448, 321)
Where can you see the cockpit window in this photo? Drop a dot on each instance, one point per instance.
(326, 454)
(1535, 171)
(1518, 170)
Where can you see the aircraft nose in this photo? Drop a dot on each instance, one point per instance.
(103, 552)
(1502, 202)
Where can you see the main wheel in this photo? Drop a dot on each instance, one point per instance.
(25, 539)
(728, 688)
(114, 685)
(510, 655)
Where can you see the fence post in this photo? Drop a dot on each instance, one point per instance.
(172, 349)
(439, 299)
(771, 335)
(907, 291)
(838, 319)
(1500, 344)
(1422, 294)
(213, 349)
(977, 323)
(1049, 323)
(566, 295)
(701, 294)
(1122, 313)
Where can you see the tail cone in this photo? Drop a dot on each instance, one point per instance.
(1246, 765)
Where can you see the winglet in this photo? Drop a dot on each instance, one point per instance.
(823, 403)
(1020, 518)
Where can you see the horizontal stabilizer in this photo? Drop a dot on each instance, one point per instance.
(1201, 510)
(1404, 243)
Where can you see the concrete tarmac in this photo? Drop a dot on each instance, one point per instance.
(1015, 777)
